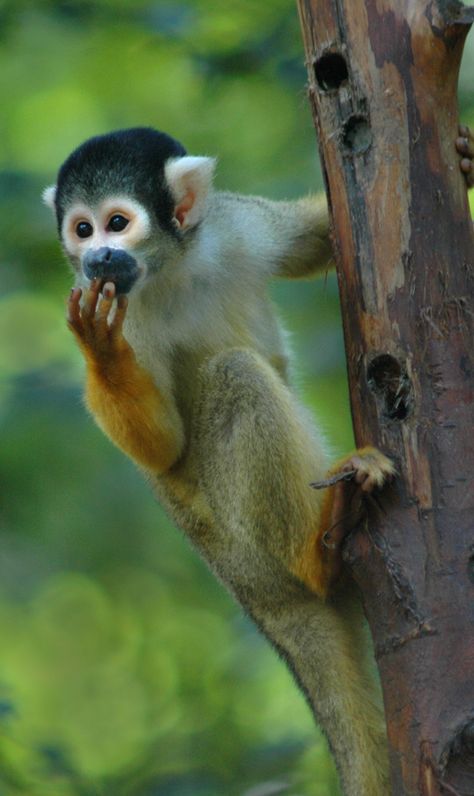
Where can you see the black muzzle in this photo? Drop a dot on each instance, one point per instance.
(111, 265)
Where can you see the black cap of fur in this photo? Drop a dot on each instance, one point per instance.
(129, 162)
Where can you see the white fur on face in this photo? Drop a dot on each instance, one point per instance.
(136, 231)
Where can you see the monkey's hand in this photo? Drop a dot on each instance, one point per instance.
(120, 393)
(348, 482)
(465, 148)
(99, 337)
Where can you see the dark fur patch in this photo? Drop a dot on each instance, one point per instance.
(129, 162)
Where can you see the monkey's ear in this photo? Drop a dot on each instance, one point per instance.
(189, 179)
(49, 196)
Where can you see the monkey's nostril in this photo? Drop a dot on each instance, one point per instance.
(107, 255)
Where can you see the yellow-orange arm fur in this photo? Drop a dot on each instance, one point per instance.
(120, 394)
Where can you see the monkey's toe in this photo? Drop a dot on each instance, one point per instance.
(372, 469)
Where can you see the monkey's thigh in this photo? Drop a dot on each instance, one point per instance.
(257, 451)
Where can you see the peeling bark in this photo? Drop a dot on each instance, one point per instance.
(382, 83)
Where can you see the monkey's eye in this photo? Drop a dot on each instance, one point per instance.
(84, 229)
(117, 223)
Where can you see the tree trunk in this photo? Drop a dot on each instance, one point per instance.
(382, 82)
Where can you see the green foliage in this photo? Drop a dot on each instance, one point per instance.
(125, 670)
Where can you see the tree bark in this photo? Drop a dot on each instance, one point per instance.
(382, 83)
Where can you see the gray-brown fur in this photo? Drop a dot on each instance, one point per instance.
(251, 505)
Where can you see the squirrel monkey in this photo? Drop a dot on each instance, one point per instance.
(187, 374)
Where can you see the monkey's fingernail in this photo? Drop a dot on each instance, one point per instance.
(108, 291)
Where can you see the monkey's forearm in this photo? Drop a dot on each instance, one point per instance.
(129, 408)
(120, 394)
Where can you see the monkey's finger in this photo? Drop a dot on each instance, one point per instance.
(120, 312)
(465, 148)
(108, 295)
(73, 315)
(369, 482)
(467, 167)
(90, 300)
(465, 143)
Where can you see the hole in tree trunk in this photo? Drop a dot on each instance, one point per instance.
(459, 772)
(330, 71)
(468, 737)
(357, 135)
(390, 383)
(470, 568)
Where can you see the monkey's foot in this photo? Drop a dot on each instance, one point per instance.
(97, 330)
(353, 478)
(465, 148)
(319, 563)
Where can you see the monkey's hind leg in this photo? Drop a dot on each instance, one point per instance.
(257, 456)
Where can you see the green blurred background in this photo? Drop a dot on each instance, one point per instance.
(125, 669)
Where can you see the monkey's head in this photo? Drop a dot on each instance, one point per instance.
(126, 203)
